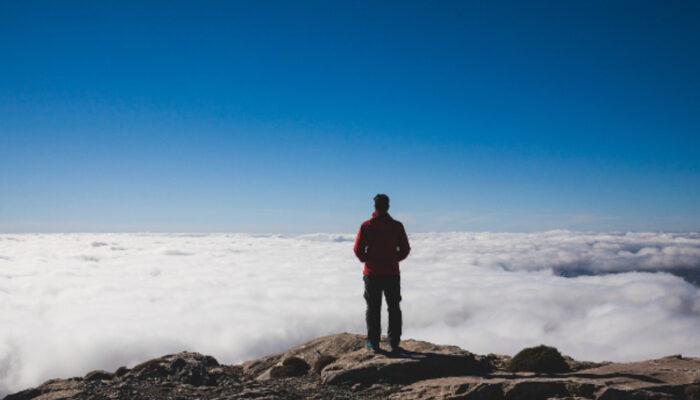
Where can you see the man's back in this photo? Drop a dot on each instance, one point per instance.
(381, 243)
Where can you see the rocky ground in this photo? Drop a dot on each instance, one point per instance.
(339, 367)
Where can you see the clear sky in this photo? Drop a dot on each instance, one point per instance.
(289, 116)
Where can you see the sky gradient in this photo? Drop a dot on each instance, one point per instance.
(289, 116)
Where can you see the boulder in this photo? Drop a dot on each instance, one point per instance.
(185, 367)
(99, 375)
(418, 361)
(322, 361)
(355, 364)
(539, 359)
(291, 366)
(334, 344)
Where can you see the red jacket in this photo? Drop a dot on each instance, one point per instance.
(381, 243)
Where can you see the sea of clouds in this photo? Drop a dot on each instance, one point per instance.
(71, 303)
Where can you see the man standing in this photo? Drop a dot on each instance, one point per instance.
(381, 243)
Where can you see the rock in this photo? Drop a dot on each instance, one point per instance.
(322, 361)
(192, 368)
(576, 365)
(210, 361)
(423, 371)
(59, 395)
(622, 394)
(334, 344)
(150, 369)
(27, 394)
(538, 359)
(98, 375)
(536, 390)
(54, 389)
(291, 366)
(177, 365)
(664, 378)
(283, 371)
(692, 392)
(418, 361)
(186, 367)
(121, 371)
(296, 363)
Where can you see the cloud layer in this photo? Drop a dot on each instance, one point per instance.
(70, 303)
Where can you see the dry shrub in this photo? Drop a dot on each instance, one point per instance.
(539, 359)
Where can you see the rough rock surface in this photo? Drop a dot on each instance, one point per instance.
(672, 377)
(349, 371)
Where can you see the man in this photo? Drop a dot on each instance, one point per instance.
(381, 243)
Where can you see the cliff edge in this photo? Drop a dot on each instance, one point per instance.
(339, 367)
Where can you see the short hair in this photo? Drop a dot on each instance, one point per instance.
(381, 202)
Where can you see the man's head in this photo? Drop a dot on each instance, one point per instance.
(381, 203)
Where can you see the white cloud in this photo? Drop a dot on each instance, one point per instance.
(68, 306)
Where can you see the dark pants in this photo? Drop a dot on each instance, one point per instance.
(391, 286)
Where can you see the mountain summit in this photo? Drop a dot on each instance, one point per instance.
(339, 367)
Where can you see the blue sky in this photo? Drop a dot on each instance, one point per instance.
(289, 116)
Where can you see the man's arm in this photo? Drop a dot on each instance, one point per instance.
(404, 247)
(361, 245)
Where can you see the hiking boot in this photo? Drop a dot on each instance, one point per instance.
(372, 346)
(395, 348)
